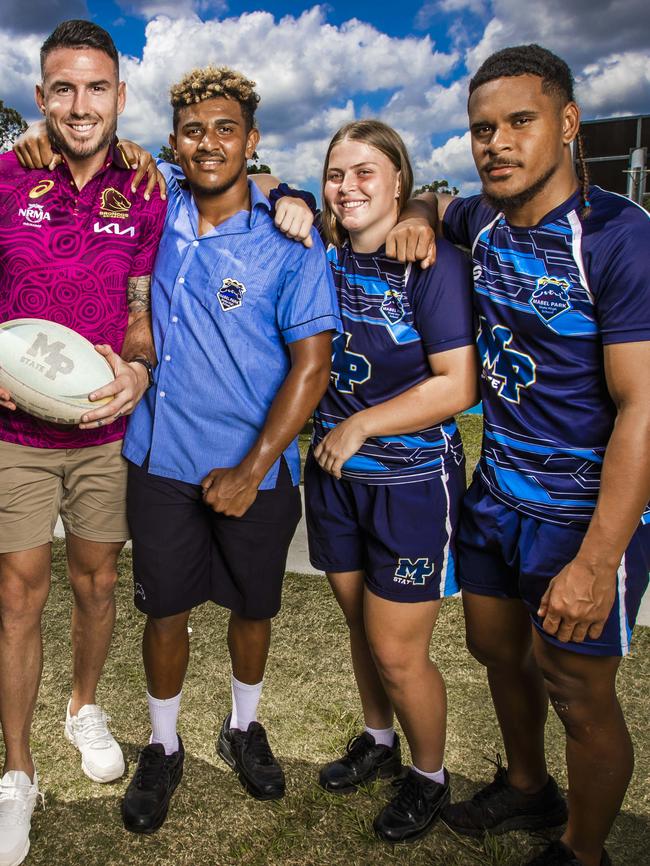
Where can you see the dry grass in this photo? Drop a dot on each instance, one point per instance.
(310, 708)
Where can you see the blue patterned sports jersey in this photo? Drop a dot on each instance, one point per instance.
(548, 297)
(394, 316)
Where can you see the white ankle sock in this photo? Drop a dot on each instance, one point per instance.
(164, 715)
(438, 777)
(245, 698)
(383, 736)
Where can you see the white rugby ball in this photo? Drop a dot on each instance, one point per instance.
(49, 369)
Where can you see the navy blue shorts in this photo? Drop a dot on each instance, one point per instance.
(184, 553)
(505, 554)
(401, 535)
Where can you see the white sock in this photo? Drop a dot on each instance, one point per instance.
(245, 698)
(163, 715)
(382, 736)
(438, 777)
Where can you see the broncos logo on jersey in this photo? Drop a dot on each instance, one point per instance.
(508, 370)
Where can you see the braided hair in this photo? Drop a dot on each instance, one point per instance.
(556, 79)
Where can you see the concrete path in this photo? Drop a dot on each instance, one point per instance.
(298, 561)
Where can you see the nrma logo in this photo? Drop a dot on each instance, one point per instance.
(507, 370)
(34, 215)
(413, 571)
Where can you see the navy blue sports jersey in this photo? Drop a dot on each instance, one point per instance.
(393, 317)
(548, 298)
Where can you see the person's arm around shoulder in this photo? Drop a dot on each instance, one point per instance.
(420, 222)
(580, 598)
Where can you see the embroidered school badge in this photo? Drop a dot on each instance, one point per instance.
(230, 294)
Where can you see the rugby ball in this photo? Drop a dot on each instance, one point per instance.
(49, 369)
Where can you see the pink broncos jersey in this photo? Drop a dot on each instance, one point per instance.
(66, 255)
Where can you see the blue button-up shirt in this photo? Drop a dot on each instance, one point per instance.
(225, 305)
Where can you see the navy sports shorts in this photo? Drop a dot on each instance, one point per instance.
(505, 554)
(401, 535)
(184, 553)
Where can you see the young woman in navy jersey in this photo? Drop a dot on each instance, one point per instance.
(385, 475)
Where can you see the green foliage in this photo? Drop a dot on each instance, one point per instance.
(257, 167)
(437, 186)
(166, 154)
(11, 126)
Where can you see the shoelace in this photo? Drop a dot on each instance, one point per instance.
(94, 728)
(258, 746)
(500, 781)
(409, 795)
(150, 763)
(14, 795)
(357, 747)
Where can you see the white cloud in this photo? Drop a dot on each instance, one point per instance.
(452, 162)
(619, 84)
(173, 8)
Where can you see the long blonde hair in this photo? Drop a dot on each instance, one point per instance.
(382, 137)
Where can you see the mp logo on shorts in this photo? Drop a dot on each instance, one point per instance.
(48, 358)
(231, 294)
(139, 591)
(413, 571)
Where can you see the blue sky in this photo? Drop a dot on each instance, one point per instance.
(319, 66)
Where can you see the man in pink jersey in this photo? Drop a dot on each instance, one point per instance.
(77, 246)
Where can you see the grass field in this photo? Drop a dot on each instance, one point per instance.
(310, 709)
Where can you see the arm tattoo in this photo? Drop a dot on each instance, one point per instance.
(138, 294)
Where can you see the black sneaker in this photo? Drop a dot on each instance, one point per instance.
(250, 756)
(499, 807)
(145, 804)
(558, 854)
(363, 761)
(413, 810)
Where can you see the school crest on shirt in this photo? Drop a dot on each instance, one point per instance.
(551, 297)
(392, 308)
(231, 294)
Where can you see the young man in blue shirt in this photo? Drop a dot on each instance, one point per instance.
(555, 529)
(243, 319)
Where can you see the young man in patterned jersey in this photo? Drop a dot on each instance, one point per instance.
(554, 545)
(77, 247)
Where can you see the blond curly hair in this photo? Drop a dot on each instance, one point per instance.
(211, 82)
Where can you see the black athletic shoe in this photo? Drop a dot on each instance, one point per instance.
(413, 810)
(499, 807)
(145, 804)
(363, 761)
(558, 854)
(250, 756)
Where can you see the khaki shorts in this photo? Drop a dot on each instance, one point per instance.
(87, 486)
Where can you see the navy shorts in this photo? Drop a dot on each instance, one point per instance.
(184, 553)
(401, 535)
(505, 554)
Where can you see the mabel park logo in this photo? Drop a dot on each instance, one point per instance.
(551, 297)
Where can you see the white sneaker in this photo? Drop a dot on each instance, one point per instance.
(18, 795)
(101, 756)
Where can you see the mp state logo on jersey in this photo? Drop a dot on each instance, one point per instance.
(413, 571)
(231, 294)
(551, 297)
(507, 370)
(348, 368)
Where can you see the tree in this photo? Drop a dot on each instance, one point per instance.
(11, 126)
(166, 154)
(255, 167)
(437, 186)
